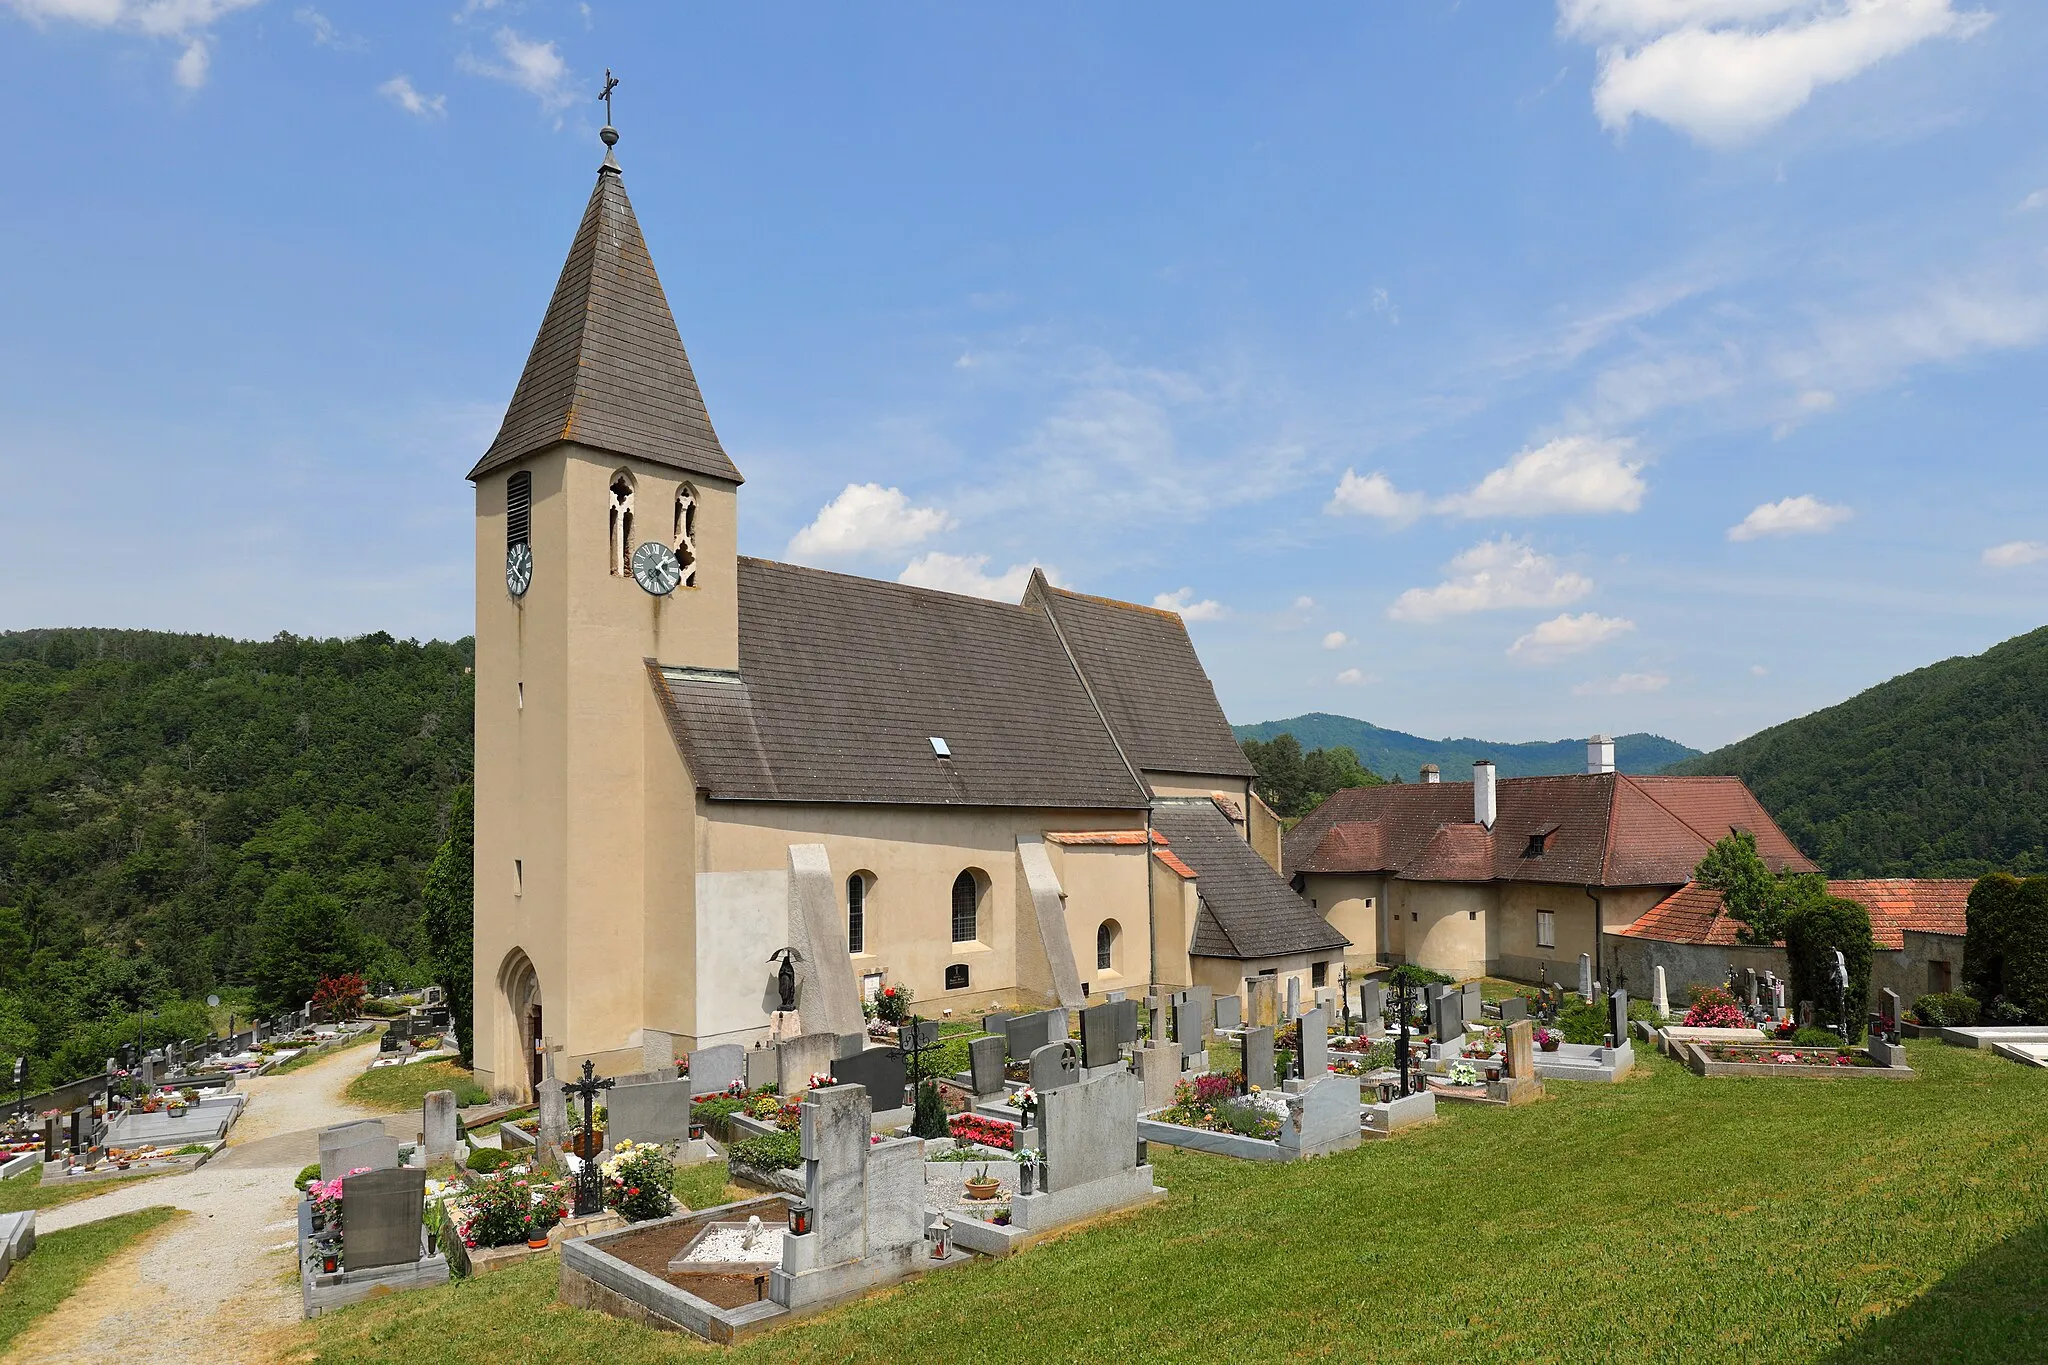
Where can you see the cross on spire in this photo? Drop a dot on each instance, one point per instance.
(611, 83)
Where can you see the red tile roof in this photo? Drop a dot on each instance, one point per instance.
(1694, 913)
(1130, 837)
(1455, 853)
(1602, 829)
(1172, 860)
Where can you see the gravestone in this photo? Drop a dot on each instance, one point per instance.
(1521, 1050)
(81, 1131)
(921, 1038)
(354, 1146)
(1749, 991)
(1314, 1058)
(1029, 1032)
(382, 1224)
(1261, 1001)
(1470, 1009)
(1617, 1016)
(1662, 996)
(1099, 1035)
(1322, 1118)
(1187, 1028)
(648, 1111)
(1293, 999)
(1089, 1130)
(867, 1202)
(1201, 1003)
(1330, 1001)
(437, 1124)
(1585, 976)
(1778, 998)
(758, 1068)
(1054, 1065)
(985, 1065)
(993, 1022)
(1373, 1007)
(852, 1044)
(881, 1072)
(1889, 1009)
(1126, 1022)
(1229, 1012)
(1513, 1008)
(802, 1057)
(1258, 1058)
(146, 1073)
(1806, 1014)
(714, 1069)
(53, 1142)
(1446, 1014)
(550, 1119)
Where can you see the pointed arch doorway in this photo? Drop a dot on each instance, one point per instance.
(522, 1024)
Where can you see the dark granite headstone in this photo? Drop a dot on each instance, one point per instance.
(993, 1022)
(381, 1225)
(1513, 1008)
(985, 1065)
(1098, 1035)
(926, 1035)
(1029, 1032)
(1126, 1023)
(1187, 1030)
(1617, 1015)
(881, 1070)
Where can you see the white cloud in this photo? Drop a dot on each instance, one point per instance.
(1304, 603)
(2038, 199)
(1569, 474)
(867, 519)
(1758, 670)
(187, 21)
(1373, 496)
(1626, 685)
(534, 66)
(2015, 553)
(1491, 575)
(1725, 70)
(400, 92)
(1182, 601)
(1803, 515)
(1354, 677)
(968, 574)
(1383, 306)
(1336, 639)
(470, 8)
(324, 32)
(1565, 635)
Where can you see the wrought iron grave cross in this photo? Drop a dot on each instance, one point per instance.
(589, 1185)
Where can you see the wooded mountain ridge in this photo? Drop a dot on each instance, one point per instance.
(1393, 753)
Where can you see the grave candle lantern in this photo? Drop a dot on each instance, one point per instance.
(799, 1219)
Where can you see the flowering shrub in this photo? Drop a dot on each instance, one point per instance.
(819, 1080)
(892, 1005)
(1545, 1037)
(1209, 1102)
(637, 1180)
(1463, 1073)
(986, 1131)
(326, 1197)
(1715, 1008)
(497, 1210)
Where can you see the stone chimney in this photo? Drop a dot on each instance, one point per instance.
(1430, 773)
(1600, 754)
(1482, 793)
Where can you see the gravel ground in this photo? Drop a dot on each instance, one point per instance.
(219, 1285)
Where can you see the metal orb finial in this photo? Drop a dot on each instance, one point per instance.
(610, 135)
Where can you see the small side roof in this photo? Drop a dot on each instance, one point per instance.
(1694, 914)
(1246, 910)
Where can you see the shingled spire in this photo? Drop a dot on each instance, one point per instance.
(608, 369)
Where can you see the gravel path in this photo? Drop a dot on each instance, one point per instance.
(218, 1285)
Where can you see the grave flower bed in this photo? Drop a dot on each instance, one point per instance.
(1715, 1008)
(1785, 1056)
(1209, 1102)
(637, 1180)
(1359, 1057)
(987, 1131)
(498, 1210)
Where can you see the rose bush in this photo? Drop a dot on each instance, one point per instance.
(637, 1180)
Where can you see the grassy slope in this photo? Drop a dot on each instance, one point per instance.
(61, 1262)
(308, 1057)
(28, 1191)
(394, 1089)
(1668, 1217)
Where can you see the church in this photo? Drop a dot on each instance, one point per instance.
(692, 765)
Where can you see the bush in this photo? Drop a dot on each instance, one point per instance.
(1816, 1037)
(637, 1180)
(1584, 1022)
(1945, 1011)
(469, 1094)
(496, 1211)
(307, 1176)
(1817, 926)
(929, 1118)
(488, 1159)
(1713, 1007)
(713, 1113)
(779, 1152)
(892, 1004)
(2005, 953)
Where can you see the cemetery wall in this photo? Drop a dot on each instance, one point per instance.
(1687, 964)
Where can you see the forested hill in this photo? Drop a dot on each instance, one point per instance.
(1941, 772)
(1390, 753)
(156, 788)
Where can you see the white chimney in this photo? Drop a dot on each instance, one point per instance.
(1430, 773)
(1600, 754)
(1482, 793)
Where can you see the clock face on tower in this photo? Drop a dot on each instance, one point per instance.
(656, 568)
(519, 569)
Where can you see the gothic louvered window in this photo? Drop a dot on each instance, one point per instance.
(519, 509)
(686, 536)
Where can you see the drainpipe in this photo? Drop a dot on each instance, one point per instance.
(1593, 895)
(1152, 914)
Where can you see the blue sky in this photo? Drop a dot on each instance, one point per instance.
(1488, 369)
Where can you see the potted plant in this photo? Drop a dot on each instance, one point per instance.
(1027, 1170)
(550, 1207)
(1549, 1039)
(982, 1185)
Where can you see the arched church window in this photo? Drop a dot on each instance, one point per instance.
(966, 901)
(622, 525)
(856, 913)
(1105, 945)
(519, 509)
(686, 535)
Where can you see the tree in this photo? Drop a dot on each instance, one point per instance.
(1818, 925)
(450, 918)
(2005, 949)
(1294, 783)
(302, 935)
(1754, 896)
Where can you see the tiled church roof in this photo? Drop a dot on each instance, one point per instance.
(1246, 911)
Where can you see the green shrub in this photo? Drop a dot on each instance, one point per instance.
(308, 1175)
(1816, 926)
(775, 1152)
(929, 1118)
(1584, 1022)
(2005, 953)
(469, 1093)
(1945, 1011)
(713, 1113)
(487, 1159)
(1816, 1037)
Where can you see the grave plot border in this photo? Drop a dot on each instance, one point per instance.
(321, 1293)
(1696, 1059)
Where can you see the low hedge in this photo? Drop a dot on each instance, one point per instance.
(774, 1152)
(487, 1159)
(1946, 1011)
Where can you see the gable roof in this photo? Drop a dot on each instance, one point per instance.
(1601, 829)
(1897, 905)
(608, 369)
(843, 682)
(1246, 910)
(1148, 681)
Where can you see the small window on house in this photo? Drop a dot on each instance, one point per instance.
(1106, 935)
(1535, 849)
(1318, 974)
(518, 877)
(856, 913)
(518, 509)
(1369, 902)
(686, 533)
(956, 976)
(621, 525)
(966, 902)
(1471, 914)
(1546, 929)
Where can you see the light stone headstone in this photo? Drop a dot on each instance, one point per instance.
(1662, 996)
(1513, 1008)
(1889, 1009)
(1322, 1118)
(352, 1146)
(1470, 1007)
(382, 1226)
(1373, 1007)
(1229, 1012)
(1749, 991)
(1521, 1051)
(1258, 1057)
(1090, 1130)
(437, 1124)
(1054, 1065)
(985, 1065)
(1585, 976)
(714, 1069)
(1446, 1013)
(799, 1059)
(1315, 1044)
(1293, 999)
(648, 1111)
(550, 1121)
(1262, 1001)
(834, 1126)
(1187, 1028)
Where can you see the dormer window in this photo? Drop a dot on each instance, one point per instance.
(1539, 841)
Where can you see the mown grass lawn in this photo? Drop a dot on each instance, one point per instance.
(1667, 1218)
(394, 1089)
(29, 1192)
(61, 1262)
